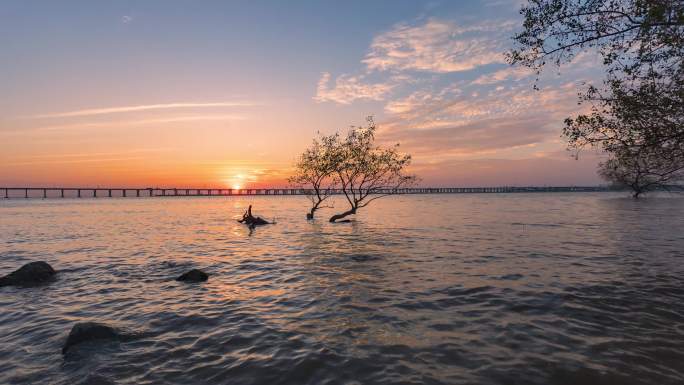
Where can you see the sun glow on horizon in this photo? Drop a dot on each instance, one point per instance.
(236, 180)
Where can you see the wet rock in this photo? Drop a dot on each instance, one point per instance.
(30, 274)
(193, 275)
(88, 331)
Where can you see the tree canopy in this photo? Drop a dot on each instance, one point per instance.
(315, 171)
(630, 34)
(353, 166)
(637, 114)
(368, 172)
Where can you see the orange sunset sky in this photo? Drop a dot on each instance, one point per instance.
(227, 94)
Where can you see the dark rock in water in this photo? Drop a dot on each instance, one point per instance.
(89, 331)
(30, 274)
(193, 275)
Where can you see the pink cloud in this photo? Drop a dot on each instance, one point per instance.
(347, 88)
(437, 46)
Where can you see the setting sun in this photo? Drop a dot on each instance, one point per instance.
(235, 180)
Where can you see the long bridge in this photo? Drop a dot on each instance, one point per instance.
(107, 192)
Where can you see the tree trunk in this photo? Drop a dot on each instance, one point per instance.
(342, 215)
(310, 215)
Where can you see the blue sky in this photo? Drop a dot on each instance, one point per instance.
(217, 91)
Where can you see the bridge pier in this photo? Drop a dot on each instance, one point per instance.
(44, 193)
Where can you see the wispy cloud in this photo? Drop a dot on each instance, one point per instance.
(76, 161)
(347, 88)
(101, 154)
(476, 123)
(432, 47)
(556, 170)
(450, 99)
(438, 46)
(126, 19)
(93, 157)
(409, 103)
(124, 109)
(516, 4)
(509, 73)
(142, 122)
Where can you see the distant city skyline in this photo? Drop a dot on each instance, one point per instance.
(228, 94)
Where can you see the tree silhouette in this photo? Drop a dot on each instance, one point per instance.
(354, 166)
(367, 172)
(316, 172)
(637, 115)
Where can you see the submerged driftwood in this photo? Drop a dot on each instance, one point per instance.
(252, 221)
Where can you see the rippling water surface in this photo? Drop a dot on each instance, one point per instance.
(452, 289)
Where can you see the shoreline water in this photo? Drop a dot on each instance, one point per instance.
(487, 289)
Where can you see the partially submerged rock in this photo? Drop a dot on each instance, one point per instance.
(30, 274)
(89, 331)
(193, 275)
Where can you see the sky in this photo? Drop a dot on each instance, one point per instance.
(227, 94)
